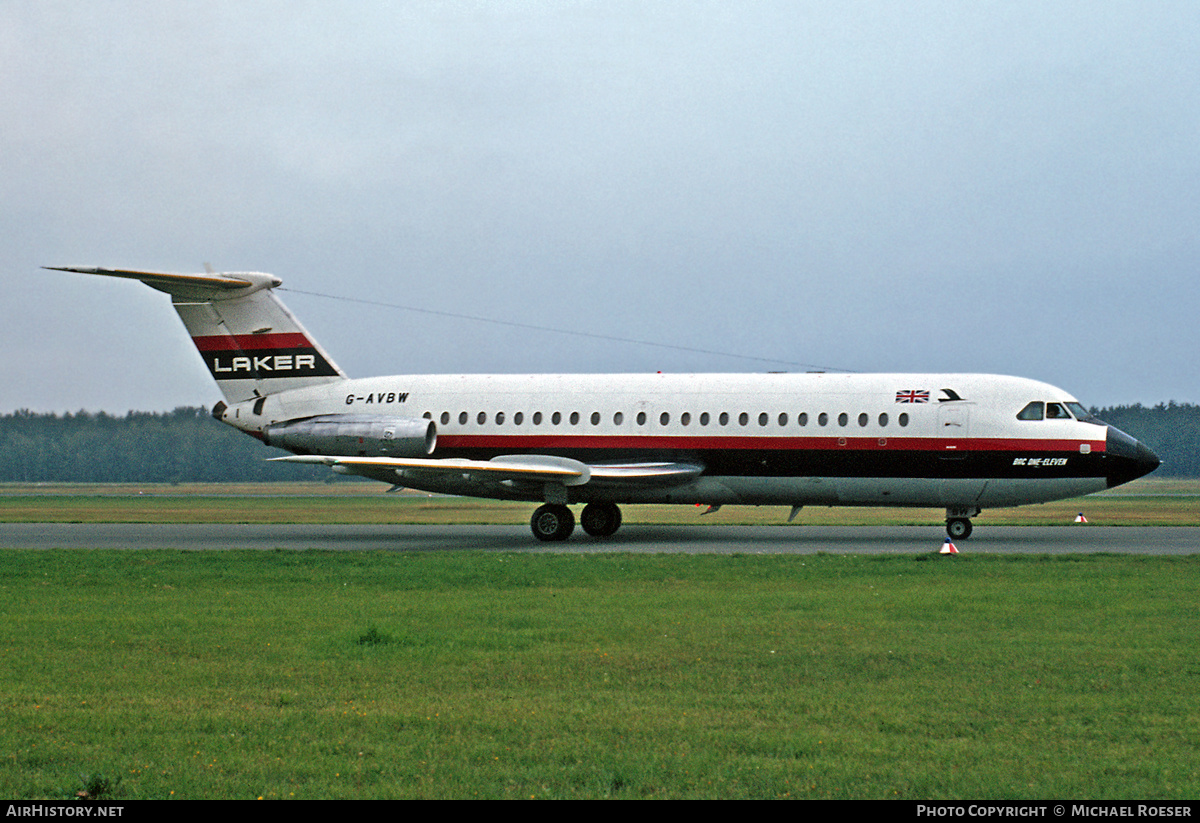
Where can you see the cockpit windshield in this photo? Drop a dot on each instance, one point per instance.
(1081, 413)
(1039, 410)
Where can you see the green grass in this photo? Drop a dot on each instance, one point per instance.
(432, 675)
(1143, 503)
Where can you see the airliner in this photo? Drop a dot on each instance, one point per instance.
(962, 442)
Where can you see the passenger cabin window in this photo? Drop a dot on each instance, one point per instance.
(1034, 411)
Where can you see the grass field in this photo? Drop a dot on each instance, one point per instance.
(165, 674)
(1143, 503)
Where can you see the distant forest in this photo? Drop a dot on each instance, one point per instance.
(187, 445)
(1172, 430)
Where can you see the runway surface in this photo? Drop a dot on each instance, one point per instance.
(631, 538)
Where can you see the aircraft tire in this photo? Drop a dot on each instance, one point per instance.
(552, 522)
(600, 519)
(959, 528)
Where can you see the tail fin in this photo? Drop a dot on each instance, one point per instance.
(251, 343)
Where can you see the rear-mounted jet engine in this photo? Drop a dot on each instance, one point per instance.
(355, 434)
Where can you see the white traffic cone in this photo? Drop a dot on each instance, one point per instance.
(1080, 518)
(948, 548)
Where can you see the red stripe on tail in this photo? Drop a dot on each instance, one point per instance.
(251, 342)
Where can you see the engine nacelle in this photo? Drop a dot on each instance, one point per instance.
(355, 435)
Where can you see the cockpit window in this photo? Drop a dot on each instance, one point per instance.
(1081, 413)
(1034, 411)
(1039, 410)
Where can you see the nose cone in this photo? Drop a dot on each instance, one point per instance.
(1126, 458)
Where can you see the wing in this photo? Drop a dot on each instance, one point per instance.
(511, 469)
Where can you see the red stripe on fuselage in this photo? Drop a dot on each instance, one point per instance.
(523, 443)
(251, 342)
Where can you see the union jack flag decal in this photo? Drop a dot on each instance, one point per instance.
(912, 396)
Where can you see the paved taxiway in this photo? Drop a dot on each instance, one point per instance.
(631, 538)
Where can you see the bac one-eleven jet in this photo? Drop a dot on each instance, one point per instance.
(964, 442)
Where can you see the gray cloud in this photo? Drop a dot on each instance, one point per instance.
(1000, 187)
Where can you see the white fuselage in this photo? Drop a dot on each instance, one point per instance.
(962, 441)
(950, 440)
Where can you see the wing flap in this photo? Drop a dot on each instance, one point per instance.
(656, 474)
(528, 468)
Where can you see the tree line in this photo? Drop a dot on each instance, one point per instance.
(188, 445)
(1171, 430)
(184, 445)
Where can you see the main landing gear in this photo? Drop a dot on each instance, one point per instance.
(554, 522)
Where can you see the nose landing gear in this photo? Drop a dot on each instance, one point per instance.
(959, 528)
(958, 522)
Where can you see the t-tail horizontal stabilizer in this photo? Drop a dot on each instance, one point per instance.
(253, 346)
(210, 286)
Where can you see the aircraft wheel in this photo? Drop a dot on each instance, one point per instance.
(600, 519)
(959, 528)
(552, 522)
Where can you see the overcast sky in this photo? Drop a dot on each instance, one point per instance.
(1008, 187)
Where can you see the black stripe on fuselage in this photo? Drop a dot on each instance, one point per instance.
(832, 462)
